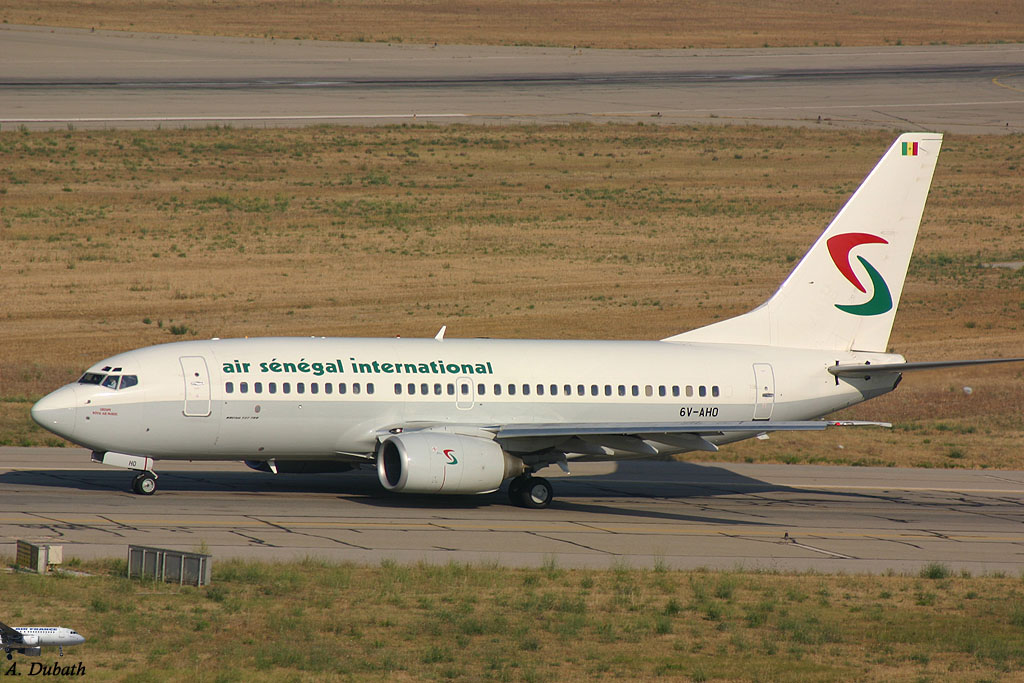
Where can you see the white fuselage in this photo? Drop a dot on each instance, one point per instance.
(330, 398)
(49, 636)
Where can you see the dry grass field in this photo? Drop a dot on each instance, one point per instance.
(466, 623)
(586, 23)
(117, 239)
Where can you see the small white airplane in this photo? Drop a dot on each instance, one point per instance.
(30, 640)
(464, 415)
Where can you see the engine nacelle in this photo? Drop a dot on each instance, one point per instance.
(32, 651)
(299, 466)
(439, 462)
(29, 640)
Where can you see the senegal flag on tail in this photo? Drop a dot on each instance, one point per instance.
(910, 149)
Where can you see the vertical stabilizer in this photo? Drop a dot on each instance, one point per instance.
(843, 294)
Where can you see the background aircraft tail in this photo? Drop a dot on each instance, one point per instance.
(843, 294)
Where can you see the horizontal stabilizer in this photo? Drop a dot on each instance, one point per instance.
(873, 369)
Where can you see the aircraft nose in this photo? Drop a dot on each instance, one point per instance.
(56, 411)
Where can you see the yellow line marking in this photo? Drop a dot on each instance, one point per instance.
(996, 81)
(739, 530)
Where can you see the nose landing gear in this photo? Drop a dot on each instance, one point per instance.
(144, 484)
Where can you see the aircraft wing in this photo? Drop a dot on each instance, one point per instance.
(634, 437)
(9, 635)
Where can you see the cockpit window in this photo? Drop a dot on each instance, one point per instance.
(91, 378)
(111, 381)
(129, 381)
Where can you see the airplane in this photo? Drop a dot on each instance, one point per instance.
(462, 416)
(30, 640)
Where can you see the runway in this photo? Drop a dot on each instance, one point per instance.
(640, 514)
(59, 78)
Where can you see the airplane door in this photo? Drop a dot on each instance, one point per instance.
(197, 386)
(464, 397)
(764, 391)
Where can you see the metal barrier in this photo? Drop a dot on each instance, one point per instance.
(38, 558)
(171, 566)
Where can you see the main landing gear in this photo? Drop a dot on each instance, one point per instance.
(529, 491)
(144, 484)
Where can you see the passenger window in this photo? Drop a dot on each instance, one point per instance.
(272, 387)
(689, 390)
(622, 390)
(257, 387)
(369, 388)
(580, 390)
(464, 388)
(342, 388)
(497, 390)
(567, 389)
(398, 389)
(511, 389)
(593, 390)
(356, 388)
(243, 387)
(554, 390)
(229, 387)
(111, 381)
(314, 388)
(481, 389)
(675, 390)
(648, 390)
(636, 390)
(411, 388)
(300, 388)
(714, 390)
(526, 390)
(286, 388)
(129, 381)
(702, 390)
(540, 389)
(451, 389)
(661, 390)
(328, 388)
(424, 388)
(437, 389)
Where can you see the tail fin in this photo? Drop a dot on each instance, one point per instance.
(844, 292)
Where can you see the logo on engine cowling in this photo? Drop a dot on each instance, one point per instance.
(449, 454)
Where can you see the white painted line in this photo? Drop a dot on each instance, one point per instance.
(176, 119)
(815, 107)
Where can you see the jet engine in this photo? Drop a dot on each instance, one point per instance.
(32, 651)
(30, 640)
(440, 462)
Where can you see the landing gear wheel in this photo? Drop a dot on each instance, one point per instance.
(535, 493)
(144, 484)
(515, 489)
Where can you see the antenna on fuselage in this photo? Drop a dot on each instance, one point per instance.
(440, 333)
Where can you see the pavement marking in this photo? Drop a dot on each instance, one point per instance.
(996, 81)
(738, 530)
(257, 117)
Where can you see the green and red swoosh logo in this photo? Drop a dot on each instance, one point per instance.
(839, 247)
(449, 455)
